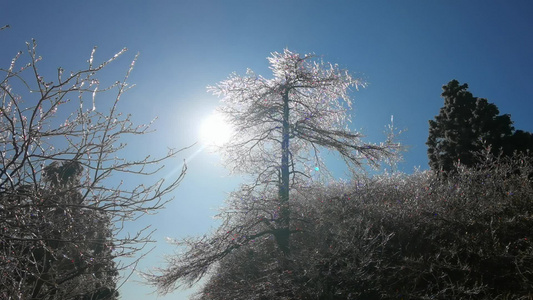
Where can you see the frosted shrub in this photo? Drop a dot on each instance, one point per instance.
(398, 236)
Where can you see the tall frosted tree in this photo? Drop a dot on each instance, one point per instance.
(281, 125)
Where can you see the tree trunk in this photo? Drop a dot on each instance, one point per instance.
(282, 236)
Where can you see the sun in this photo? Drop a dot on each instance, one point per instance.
(215, 130)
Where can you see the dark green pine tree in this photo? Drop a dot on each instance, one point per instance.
(465, 126)
(520, 141)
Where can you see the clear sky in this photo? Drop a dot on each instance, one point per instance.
(405, 50)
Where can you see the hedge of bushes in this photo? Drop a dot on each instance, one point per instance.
(467, 235)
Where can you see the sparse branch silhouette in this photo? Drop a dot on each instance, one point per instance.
(62, 215)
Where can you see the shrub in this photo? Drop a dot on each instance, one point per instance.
(397, 236)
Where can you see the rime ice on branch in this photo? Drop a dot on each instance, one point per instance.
(61, 217)
(280, 127)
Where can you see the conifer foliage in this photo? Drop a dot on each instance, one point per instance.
(467, 125)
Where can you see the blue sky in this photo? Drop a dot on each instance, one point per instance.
(406, 50)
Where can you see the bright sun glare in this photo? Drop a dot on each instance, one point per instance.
(215, 130)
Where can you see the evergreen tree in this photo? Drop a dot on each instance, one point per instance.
(467, 125)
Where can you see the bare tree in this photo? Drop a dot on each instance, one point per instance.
(281, 125)
(62, 216)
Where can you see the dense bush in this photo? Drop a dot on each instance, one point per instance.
(397, 236)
